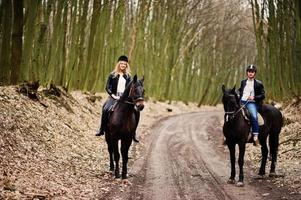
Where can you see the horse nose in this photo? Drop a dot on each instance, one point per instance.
(141, 107)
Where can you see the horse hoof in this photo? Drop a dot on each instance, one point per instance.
(258, 176)
(126, 182)
(239, 184)
(124, 176)
(272, 174)
(117, 175)
(231, 181)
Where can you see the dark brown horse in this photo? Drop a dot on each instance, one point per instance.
(236, 130)
(122, 124)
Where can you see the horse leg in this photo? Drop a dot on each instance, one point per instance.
(273, 142)
(264, 154)
(232, 160)
(110, 150)
(242, 149)
(125, 145)
(116, 158)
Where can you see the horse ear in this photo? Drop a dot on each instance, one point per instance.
(223, 88)
(135, 78)
(233, 89)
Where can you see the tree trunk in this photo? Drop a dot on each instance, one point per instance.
(6, 24)
(93, 28)
(17, 33)
(29, 34)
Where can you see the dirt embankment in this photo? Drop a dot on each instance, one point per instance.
(48, 149)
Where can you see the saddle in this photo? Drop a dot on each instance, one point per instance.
(112, 107)
(247, 117)
(110, 111)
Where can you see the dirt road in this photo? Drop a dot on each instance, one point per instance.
(184, 160)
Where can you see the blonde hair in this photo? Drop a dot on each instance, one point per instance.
(117, 70)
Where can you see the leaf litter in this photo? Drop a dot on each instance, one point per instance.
(49, 150)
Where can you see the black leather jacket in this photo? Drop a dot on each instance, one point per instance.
(258, 89)
(112, 83)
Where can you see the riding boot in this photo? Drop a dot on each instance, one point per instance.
(256, 141)
(104, 120)
(137, 116)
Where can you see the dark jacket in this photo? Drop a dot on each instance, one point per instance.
(112, 83)
(258, 89)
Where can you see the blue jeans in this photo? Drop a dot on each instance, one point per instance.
(252, 108)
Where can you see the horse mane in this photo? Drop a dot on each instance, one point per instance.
(128, 88)
(126, 91)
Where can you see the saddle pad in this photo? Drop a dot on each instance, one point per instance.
(260, 120)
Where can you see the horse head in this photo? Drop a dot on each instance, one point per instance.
(230, 100)
(136, 93)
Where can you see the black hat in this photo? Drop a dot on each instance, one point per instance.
(123, 58)
(251, 68)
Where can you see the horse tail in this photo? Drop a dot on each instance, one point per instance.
(274, 135)
(274, 143)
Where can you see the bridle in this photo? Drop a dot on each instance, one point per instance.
(131, 96)
(232, 114)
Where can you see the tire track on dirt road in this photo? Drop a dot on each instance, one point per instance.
(183, 162)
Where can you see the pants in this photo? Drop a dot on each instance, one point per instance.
(253, 110)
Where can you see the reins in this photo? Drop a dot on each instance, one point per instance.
(234, 113)
(128, 102)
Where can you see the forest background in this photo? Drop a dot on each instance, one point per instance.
(186, 49)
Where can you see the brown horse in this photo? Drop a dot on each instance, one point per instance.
(122, 124)
(236, 130)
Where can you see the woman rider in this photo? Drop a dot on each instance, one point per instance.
(117, 81)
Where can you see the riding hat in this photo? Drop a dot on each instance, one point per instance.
(251, 68)
(123, 58)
